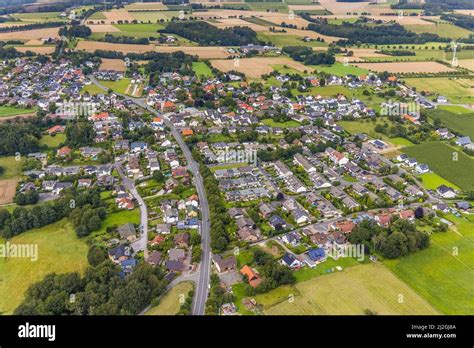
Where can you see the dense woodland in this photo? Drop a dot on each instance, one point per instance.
(307, 56)
(85, 209)
(100, 292)
(361, 32)
(125, 40)
(208, 35)
(400, 239)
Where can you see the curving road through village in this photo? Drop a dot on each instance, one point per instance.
(204, 271)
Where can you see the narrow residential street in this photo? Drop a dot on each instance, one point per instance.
(141, 243)
(204, 272)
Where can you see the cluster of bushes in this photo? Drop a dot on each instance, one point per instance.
(185, 308)
(400, 239)
(398, 53)
(76, 31)
(273, 273)
(100, 292)
(125, 40)
(27, 198)
(217, 296)
(307, 56)
(219, 217)
(208, 35)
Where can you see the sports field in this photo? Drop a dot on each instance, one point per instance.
(441, 159)
(443, 272)
(457, 90)
(59, 251)
(170, 302)
(349, 292)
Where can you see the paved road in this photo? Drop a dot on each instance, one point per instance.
(204, 272)
(141, 243)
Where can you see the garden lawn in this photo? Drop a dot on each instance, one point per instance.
(439, 275)
(53, 142)
(288, 124)
(431, 181)
(170, 302)
(59, 251)
(439, 157)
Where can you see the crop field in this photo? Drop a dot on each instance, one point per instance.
(440, 274)
(146, 6)
(256, 67)
(39, 17)
(285, 39)
(439, 157)
(406, 67)
(462, 123)
(7, 190)
(91, 46)
(208, 52)
(466, 64)
(44, 33)
(154, 16)
(457, 90)
(112, 64)
(104, 28)
(339, 69)
(170, 302)
(36, 49)
(237, 22)
(350, 292)
(442, 29)
(59, 251)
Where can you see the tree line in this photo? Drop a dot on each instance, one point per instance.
(101, 291)
(23, 219)
(359, 32)
(208, 35)
(30, 26)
